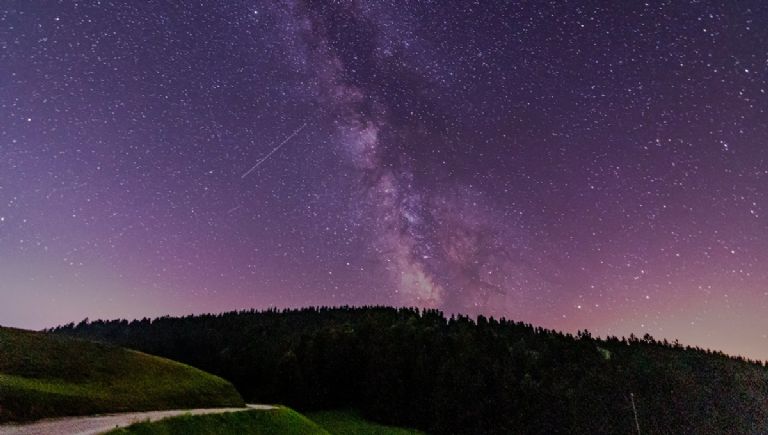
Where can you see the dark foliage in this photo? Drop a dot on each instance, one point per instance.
(418, 369)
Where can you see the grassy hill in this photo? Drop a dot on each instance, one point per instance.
(45, 375)
(280, 421)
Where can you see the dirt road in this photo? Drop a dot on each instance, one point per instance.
(96, 424)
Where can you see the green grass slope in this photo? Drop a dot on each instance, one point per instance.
(43, 375)
(349, 423)
(280, 421)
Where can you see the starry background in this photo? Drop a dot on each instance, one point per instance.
(570, 164)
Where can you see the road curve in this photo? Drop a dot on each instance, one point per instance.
(96, 424)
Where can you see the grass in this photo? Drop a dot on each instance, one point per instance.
(44, 375)
(280, 421)
(350, 423)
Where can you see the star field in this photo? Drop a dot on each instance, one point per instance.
(571, 164)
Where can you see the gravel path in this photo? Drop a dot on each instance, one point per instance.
(102, 423)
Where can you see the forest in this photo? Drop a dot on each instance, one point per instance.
(457, 375)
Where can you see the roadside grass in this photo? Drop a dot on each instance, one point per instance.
(45, 375)
(350, 423)
(279, 421)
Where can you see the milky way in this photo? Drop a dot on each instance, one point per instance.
(570, 164)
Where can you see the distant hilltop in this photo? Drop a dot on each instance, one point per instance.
(417, 368)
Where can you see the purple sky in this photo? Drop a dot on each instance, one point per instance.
(574, 164)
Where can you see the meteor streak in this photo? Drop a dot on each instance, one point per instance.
(263, 159)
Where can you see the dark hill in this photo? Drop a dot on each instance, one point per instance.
(418, 369)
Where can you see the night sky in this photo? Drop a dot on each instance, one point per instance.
(574, 164)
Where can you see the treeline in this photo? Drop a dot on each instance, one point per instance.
(458, 375)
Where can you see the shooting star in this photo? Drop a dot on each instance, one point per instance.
(263, 159)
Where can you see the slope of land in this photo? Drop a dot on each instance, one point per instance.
(278, 421)
(411, 368)
(98, 424)
(46, 375)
